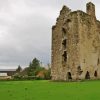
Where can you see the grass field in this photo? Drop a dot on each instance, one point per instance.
(46, 90)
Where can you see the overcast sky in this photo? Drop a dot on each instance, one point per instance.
(25, 28)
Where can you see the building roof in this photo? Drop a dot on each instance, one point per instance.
(7, 70)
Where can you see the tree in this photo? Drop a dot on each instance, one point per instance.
(33, 67)
(19, 69)
(35, 63)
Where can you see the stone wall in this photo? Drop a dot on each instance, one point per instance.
(89, 45)
(76, 45)
(56, 69)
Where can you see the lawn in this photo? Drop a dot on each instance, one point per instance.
(46, 90)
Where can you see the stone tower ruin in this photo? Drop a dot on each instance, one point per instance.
(76, 45)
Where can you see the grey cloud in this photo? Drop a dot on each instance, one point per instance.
(25, 29)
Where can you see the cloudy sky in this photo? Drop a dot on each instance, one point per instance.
(25, 28)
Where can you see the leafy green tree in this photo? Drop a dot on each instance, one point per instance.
(34, 66)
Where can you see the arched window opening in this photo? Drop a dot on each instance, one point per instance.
(87, 76)
(95, 74)
(69, 75)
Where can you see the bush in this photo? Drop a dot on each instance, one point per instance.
(17, 76)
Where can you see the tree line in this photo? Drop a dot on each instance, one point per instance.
(34, 71)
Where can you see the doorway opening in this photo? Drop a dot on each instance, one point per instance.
(87, 76)
(69, 75)
(95, 74)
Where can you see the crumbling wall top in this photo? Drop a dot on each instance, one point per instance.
(90, 9)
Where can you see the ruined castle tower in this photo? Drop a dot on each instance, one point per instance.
(76, 45)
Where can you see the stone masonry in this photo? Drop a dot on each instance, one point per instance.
(76, 45)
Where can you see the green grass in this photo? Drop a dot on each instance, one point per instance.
(46, 90)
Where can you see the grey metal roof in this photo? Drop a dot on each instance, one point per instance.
(7, 70)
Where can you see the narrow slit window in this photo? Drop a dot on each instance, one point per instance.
(95, 74)
(64, 43)
(64, 56)
(63, 32)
